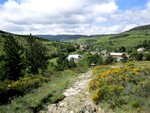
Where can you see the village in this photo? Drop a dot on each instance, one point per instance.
(117, 56)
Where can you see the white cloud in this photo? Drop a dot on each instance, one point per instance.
(105, 8)
(68, 16)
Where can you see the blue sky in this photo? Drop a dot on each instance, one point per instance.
(2, 1)
(129, 4)
(72, 16)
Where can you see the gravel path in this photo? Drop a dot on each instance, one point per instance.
(77, 98)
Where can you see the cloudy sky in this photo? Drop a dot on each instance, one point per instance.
(72, 16)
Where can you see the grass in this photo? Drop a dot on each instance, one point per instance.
(53, 60)
(50, 92)
(133, 39)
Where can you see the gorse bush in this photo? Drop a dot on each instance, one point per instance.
(120, 86)
(35, 100)
(9, 88)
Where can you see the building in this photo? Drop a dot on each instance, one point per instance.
(83, 47)
(104, 53)
(141, 49)
(118, 56)
(75, 57)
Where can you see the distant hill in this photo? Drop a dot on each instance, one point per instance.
(61, 37)
(144, 27)
(140, 31)
(20, 38)
(4, 33)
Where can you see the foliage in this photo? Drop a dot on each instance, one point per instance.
(108, 60)
(147, 56)
(62, 62)
(136, 56)
(50, 92)
(121, 86)
(93, 59)
(10, 88)
(12, 60)
(121, 35)
(36, 55)
(72, 63)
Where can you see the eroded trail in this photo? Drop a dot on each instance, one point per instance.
(77, 98)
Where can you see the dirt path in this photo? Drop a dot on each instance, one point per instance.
(77, 98)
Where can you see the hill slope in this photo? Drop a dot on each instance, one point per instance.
(129, 39)
(61, 37)
(20, 38)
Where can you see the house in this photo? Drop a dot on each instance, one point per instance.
(83, 47)
(104, 53)
(118, 56)
(141, 49)
(74, 57)
(94, 52)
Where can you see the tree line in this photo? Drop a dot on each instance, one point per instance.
(18, 60)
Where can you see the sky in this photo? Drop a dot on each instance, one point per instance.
(87, 17)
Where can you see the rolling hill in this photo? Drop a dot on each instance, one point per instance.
(129, 39)
(61, 37)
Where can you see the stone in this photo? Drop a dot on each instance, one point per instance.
(77, 98)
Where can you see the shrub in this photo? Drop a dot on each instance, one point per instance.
(121, 86)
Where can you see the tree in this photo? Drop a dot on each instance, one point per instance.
(72, 63)
(147, 56)
(13, 58)
(36, 55)
(99, 60)
(62, 63)
(136, 56)
(108, 60)
(122, 49)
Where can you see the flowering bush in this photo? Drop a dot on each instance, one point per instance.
(16, 88)
(115, 85)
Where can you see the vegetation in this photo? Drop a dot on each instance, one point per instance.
(122, 88)
(133, 38)
(35, 71)
(36, 55)
(48, 92)
(12, 60)
(26, 70)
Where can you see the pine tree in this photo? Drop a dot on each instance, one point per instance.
(36, 55)
(72, 63)
(13, 58)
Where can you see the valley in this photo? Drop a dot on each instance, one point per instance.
(111, 74)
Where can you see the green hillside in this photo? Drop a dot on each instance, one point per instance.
(128, 39)
(20, 38)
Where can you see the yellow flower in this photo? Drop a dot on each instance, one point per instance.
(95, 96)
(136, 70)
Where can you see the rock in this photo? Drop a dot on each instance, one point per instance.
(63, 104)
(77, 98)
(51, 108)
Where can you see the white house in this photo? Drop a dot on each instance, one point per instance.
(119, 56)
(141, 49)
(75, 57)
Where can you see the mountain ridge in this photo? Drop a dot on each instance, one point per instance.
(64, 37)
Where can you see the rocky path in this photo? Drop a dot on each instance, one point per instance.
(77, 98)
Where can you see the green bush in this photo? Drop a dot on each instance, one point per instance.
(118, 87)
(9, 89)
